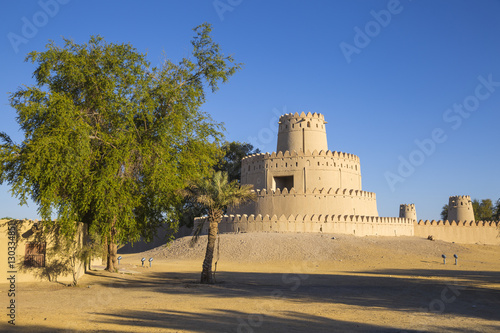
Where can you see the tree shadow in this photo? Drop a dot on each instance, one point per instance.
(395, 290)
(219, 320)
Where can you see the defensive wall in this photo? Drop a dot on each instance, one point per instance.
(469, 232)
(482, 232)
(327, 201)
(301, 170)
(342, 224)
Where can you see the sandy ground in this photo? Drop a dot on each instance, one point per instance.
(278, 283)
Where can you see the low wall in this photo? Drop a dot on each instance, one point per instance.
(57, 266)
(342, 224)
(480, 232)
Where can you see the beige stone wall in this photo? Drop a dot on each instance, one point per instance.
(26, 234)
(325, 201)
(459, 232)
(342, 224)
(323, 169)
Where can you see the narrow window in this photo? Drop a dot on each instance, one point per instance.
(34, 255)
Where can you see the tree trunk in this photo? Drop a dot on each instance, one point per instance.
(104, 258)
(112, 262)
(213, 219)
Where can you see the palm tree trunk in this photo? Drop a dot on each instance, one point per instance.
(213, 218)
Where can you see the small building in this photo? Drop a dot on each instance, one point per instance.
(31, 254)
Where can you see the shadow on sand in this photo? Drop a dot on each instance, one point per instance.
(461, 293)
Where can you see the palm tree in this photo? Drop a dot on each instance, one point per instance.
(216, 193)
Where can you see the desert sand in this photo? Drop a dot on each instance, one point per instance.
(272, 282)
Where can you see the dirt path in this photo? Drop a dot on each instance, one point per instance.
(280, 283)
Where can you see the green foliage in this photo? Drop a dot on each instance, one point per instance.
(109, 139)
(496, 215)
(483, 211)
(216, 193)
(188, 208)
(231, 162)
(444, 213)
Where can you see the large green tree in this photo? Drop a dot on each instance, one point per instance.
(216, 193)
(483, 211)
(109, 139)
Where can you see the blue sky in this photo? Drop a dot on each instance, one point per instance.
(411, 87)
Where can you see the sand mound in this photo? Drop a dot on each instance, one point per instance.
(267, 247)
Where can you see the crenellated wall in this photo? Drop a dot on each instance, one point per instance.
(483, 232)
(308, 170)
(342, 224)
(327, 201)
(470, 232)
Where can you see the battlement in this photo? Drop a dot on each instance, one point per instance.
(345, 224)
(493, 224)
(317, 191)
(460, 200)
(295, 115)
(313, 218)
(464, 232)
(460, 197)
(407, 207)
(308, 153)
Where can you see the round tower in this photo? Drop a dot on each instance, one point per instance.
(302, 132)
(408, 211)
(460, 208)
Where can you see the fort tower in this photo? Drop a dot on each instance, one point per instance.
(460, 208)
(302, 132)
(408, 211)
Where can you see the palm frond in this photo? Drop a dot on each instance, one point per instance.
(197, 233)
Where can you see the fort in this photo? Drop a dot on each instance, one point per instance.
(305, 187)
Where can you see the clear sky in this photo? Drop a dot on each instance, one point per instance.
(411, 87)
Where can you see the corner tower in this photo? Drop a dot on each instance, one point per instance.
(302, 132)
(408, 211)
(460, 208)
